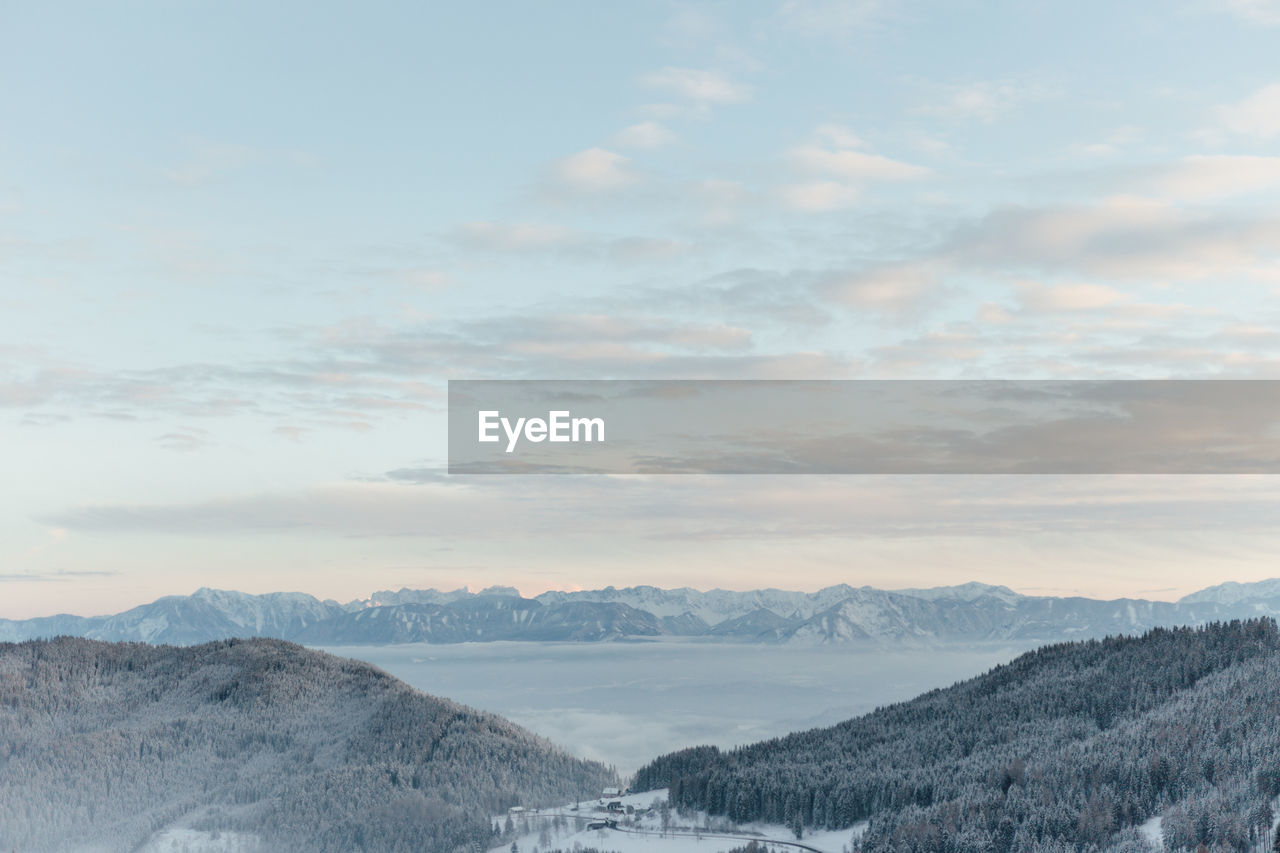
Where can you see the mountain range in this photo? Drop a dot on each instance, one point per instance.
(842, 614)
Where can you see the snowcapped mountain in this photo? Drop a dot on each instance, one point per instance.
(963, 592)
(1235, 593)
(405, 595)
(840, 614)
(206, 614)
(713, 606)
(482, 618)
(214, 613)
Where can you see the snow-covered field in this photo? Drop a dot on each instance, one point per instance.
(1152, 832)
(645, 833)
(193, 841)
(626, 702)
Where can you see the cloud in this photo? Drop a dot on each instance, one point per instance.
(587, 336)
(53, 577)
(1066, 262)
(909, 531)
(515, 237)
(185, 440)
(837, 136)
(698, 86)
(1227, 351)
(421, 278)
(1036, 296)
(994, 314)
(1256, 117)
(1113, 143)
(722, 201)
(892, 288)
(1201, 178)
(984, 100)
(320, 386)
(1265, 12)
(752, 296)
(594, 170)
(645, 249)
(1122, 237)
(529, 238)
(1106, 305)
(357, 372)
(854, 165)
(919, 356)
(649, 513)
(291, 433)
(646, 134)
(649, 338)
(829, 17)
(834, 157)
(818, 196)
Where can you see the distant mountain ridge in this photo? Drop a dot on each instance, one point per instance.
(841, 614)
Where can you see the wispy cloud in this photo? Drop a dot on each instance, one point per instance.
(890, 288)
(184, 440)
(523, 238)
(818, 196)
(594, 170)
(1265, 12)
(645, 134)
(1202, 178)
(984, 100)
(54, 577)
(854, 165)
(697, 86)
(643, 509)
(1122, 237)
(515, 237)
(836, 157)
(830, 17)
(1255, 117)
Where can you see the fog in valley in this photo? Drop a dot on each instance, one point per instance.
(625, 702)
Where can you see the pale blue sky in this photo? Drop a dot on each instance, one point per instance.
(242, 246)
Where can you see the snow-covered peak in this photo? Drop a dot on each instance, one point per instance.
(963, 592)
(506, 591)
(1233, 593)
(386, 598)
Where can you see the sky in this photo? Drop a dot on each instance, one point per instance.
(244, 246)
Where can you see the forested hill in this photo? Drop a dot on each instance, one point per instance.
(1065, 748)
(103, 744)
